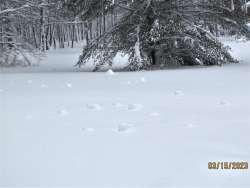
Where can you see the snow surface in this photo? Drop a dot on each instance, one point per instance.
(63, 127)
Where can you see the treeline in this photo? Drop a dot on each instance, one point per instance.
(28, 27)
(148, 31)
(99, 16)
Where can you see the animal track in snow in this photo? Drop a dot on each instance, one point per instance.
(224, 103)
(135, 107)
(126, 128)
(88, 129)
(94, 107)
(44, 86)
(117, 105)
(191, 125)
(178, 93)
(154, 114)
(62, 112)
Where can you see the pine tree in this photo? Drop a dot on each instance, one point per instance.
(159, 33)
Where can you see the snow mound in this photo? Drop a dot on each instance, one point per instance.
(178, 93)
(117, 105)
(191, 125)
(129, 83)
(44, 86)
(29, 81)
(94, 107)
(143, 80)
(62, 112)
(126, 128)
(135, 107)
(69, 85)
(88, 129)
(224, 103)
(154, 114)
(110, 72)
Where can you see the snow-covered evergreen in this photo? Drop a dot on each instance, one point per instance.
(166, 33)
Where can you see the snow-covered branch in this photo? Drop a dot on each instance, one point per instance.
(11, 10)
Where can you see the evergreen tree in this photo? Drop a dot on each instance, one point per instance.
(162, 33)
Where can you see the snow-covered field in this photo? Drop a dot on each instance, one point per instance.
(63, 127)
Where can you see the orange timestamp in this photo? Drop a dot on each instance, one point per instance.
(228, 165)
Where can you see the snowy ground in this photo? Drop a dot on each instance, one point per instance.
(63, 127)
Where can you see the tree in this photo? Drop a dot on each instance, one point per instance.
(162, 33)
(28, 27)
(13, 17)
